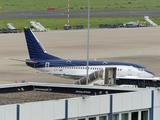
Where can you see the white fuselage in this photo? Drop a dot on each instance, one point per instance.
(77, 72)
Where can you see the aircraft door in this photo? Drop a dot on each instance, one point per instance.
(47, 64)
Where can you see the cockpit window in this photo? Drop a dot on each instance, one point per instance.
(141, 69)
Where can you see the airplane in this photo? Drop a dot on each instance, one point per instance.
(75, 69)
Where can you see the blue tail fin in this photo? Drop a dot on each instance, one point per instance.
(35, 49)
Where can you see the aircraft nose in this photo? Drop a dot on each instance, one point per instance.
(150, 74)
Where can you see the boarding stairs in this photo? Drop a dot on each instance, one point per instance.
(150, 21)
(91, 77)
(12, 29)
(10, 26)
(105, 76)
(38, 26)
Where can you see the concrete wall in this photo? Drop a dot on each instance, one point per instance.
(156, 105)
(79, 107)
(8, 112)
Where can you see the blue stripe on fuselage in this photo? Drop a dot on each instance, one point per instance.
(64, 62)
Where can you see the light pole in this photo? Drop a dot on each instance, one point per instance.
(68, 12)
(88, 42)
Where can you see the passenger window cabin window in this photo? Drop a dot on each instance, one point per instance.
(124, 116)
(92, 118)
(115, 117)
(134, 116)
(102, 117)
(144, 115)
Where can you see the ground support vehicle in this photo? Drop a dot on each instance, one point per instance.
(102, 25)
(78, 26)
(67, 27)
(6, 30)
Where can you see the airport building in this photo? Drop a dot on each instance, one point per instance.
(79, 102)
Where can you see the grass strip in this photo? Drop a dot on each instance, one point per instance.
(52, 23)
(80, 5)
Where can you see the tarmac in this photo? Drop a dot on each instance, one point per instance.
(136, 45)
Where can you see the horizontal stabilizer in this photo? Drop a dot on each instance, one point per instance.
(22, 60)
